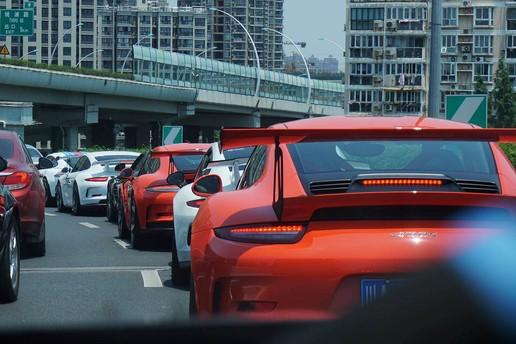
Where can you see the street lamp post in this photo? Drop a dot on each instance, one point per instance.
(28, 53)
(88, 55)
(335, 44)
(206, 51)
(257, 92)
(302, 56)
(127, 56)
(59, 41)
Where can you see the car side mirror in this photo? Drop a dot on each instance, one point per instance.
(126, 173)
(207, 185)
(119, 167)
(44, 163)
(176, 178)
(3, 164)
(65, 170)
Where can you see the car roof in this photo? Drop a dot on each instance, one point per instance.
(363, 122)
(7, 134)
(183, 148)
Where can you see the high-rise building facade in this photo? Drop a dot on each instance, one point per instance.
(181, 29)
(230, 40)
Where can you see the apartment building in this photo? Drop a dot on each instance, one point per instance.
(387, 57)
(231, 42)
(181, 29)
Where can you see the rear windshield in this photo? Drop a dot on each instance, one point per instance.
(6, 148)
(346, 159)
(238, 153)
(115, 157)
(187, 162)
(72, 160)
(34, 153)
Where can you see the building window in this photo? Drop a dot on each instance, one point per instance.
(363, 18)
(87, 39)
(67, 38)
(44, 25)
(67, 63)
(86, 51)
(200, 21)
(511, 19)
(483, 44)
(184, 20)
(450, 43)
(67, 51)
(145, 19)
(67, 24)
(483, 16)
(449, 16)
(86, 13)
(67, 11)
(448, 72)
(512, 73)
(87, 26)
(484, 70)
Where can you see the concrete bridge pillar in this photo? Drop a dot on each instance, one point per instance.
(71, 138)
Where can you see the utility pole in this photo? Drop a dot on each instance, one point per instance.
(434, 92)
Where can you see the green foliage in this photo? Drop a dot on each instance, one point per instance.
(67, 69)
(480, 86)
(510, 151)
(98, 148)
(504, 101)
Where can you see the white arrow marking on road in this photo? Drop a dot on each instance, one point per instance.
(50, 214)
(151, 279)
(89, 225)
(467, 109)
(122, 243)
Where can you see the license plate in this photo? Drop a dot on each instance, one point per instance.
(372, 289)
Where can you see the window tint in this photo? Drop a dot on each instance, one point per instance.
(254, 168)
(86, 164)
(151, 165)
(27, 154)
(204, 163)
(238, 153)
(6, 148)
(79, 164)
(187, 162)
(138, 165)
(34, 153)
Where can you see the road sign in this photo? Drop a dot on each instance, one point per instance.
(4, 50)
(17, 22)
(28, 5)
(467, 109)
(172, 134)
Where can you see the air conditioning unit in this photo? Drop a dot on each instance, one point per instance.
(479, 59)
(390, 80)
(378, 25)
(378, 53)
(377, 79)
(453, 86)
(390, 53)
(377, 107)
(466, 49)
(391, 25)
(443, 50)
(466, 3)
(453, 59)
(388, 108)
(466, 57)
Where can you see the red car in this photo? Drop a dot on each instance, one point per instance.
(333, 212)
(21, 177)
(146, 197)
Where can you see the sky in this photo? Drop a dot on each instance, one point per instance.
(309, 20)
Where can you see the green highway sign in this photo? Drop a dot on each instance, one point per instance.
(172, 134)
(17, 22)
(470, 108)
(28, 5)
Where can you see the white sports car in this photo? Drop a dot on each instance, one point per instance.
(86, 184)
(50, 176)
(35, 154)
(228, 165)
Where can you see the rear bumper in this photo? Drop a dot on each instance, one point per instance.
(93, 194)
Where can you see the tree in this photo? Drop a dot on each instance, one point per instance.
(504, 101)
(480, 86)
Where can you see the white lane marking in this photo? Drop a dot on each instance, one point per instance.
(95, 269)
(122, 243)
(50, 214)
(151, 279)
(89, 225)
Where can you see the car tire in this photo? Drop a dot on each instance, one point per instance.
(192, 299)
(59, 199)
(136, 235)
(111, 213)
(76, 202)
(49, 200)
(123, 231)
(10, 265)
(39, 249)
(179, 276)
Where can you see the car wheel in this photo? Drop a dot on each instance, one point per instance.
(59, 199)
(39, 249)
(10, 265)
(136, 236)
(123, 232)
(179, 276)
(49, 201)
(110, 209)
(193, 301)
(76, 202)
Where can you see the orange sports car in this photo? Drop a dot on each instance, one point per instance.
(333, 212)
(145, 203)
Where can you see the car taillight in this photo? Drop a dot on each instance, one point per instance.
(17, 180)
(97, 179)
(263, 234)
(402, 182)
(195, 203)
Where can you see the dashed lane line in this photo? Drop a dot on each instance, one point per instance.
(89, 225)
(122, 243)
(151, 279)
(95, 269)
(50, 214)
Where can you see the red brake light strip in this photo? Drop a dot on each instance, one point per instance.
(402, 182)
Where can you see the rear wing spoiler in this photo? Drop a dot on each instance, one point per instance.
(236, 138)
(113, 162)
